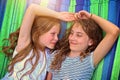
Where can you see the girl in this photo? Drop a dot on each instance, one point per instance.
(82, 48)
(30, 43)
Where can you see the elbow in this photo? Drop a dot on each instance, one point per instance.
(116, 32)
(35, 9)
(30, 7)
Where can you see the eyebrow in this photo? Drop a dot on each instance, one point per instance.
(77, 32)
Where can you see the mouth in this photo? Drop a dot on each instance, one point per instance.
(53, 43)
(72, 43)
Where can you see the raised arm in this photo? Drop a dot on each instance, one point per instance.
(112, 32)
(32, 11)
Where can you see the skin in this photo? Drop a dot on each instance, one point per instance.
(78, 40)
(78, 37)
(50, 38)
(33, 11)
(111, 30)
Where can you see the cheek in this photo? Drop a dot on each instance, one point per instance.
(43, 41)
(49, 38)
(69, 38)
(83, 42)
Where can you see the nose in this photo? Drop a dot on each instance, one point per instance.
(72, 37)
(56, 37)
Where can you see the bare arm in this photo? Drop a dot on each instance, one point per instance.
(112, 32)
(49, 76)
(32, 11)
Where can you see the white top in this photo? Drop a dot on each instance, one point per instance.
(38, 74)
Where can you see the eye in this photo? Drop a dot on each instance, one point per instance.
(53, 33)
(79, 35)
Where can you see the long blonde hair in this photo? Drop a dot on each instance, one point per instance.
(40, 26)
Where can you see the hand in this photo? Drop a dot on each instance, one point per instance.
(66, 16)
(82, 15)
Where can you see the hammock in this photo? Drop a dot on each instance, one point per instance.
(11, 15)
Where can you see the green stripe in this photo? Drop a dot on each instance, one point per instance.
(12, 20)
(104, 14)
(116, 65)
(94, 8)
(10, 30)
(20, 9)
(5, 32)
(71, 9)
(72, 3)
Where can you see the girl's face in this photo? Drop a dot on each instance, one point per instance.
(50, 38)
(78, 39)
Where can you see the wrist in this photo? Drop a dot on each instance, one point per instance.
(91, 15)
(55, 14)
(58, 15)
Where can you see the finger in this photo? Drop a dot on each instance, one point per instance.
(76, 16)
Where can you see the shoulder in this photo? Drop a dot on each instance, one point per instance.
(16, 52)
(90, 59)
(52, 56)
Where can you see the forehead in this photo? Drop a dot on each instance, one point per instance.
(77, 27)
(55, 28)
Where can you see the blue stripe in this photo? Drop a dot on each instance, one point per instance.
(86, 5)
(2, 11)
(109, 59)
(64, 7)
(65, 2)
(112, 17)
(118, 22)
(79, 5)
(118, 13)
(79, 2)
(106, 66)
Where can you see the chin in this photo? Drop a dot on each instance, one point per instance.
(51, 47)
(72, 48)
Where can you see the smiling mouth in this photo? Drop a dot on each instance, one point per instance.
(72, 43)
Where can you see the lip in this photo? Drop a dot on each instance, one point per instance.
(73, 43)
(53, 43)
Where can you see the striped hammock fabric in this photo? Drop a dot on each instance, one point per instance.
(12, 12)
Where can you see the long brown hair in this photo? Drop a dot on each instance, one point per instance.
(93, 31)
(8, 49)
(40, 26)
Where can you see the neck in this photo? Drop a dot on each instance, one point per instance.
(74, 54)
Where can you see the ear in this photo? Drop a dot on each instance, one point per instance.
(90, 42)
